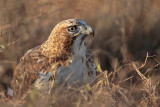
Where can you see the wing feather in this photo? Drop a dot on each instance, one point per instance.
(27, 71)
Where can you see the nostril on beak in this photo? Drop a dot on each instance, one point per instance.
(85, 28)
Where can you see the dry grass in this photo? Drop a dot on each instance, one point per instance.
(126, 47)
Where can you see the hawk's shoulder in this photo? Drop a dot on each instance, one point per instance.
(33, 61)
(27, 70)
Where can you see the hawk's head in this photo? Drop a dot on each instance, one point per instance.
(73, 27)
(66, 35)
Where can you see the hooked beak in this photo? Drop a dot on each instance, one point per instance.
(89, 30)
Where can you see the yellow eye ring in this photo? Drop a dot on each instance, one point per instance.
(72, 28)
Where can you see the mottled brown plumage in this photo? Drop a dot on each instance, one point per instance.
(56, 59)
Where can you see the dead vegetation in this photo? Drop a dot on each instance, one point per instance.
(126, 48)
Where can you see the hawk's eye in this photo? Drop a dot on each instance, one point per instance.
(72, 28)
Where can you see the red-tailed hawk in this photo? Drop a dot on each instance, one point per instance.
(62, 59)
